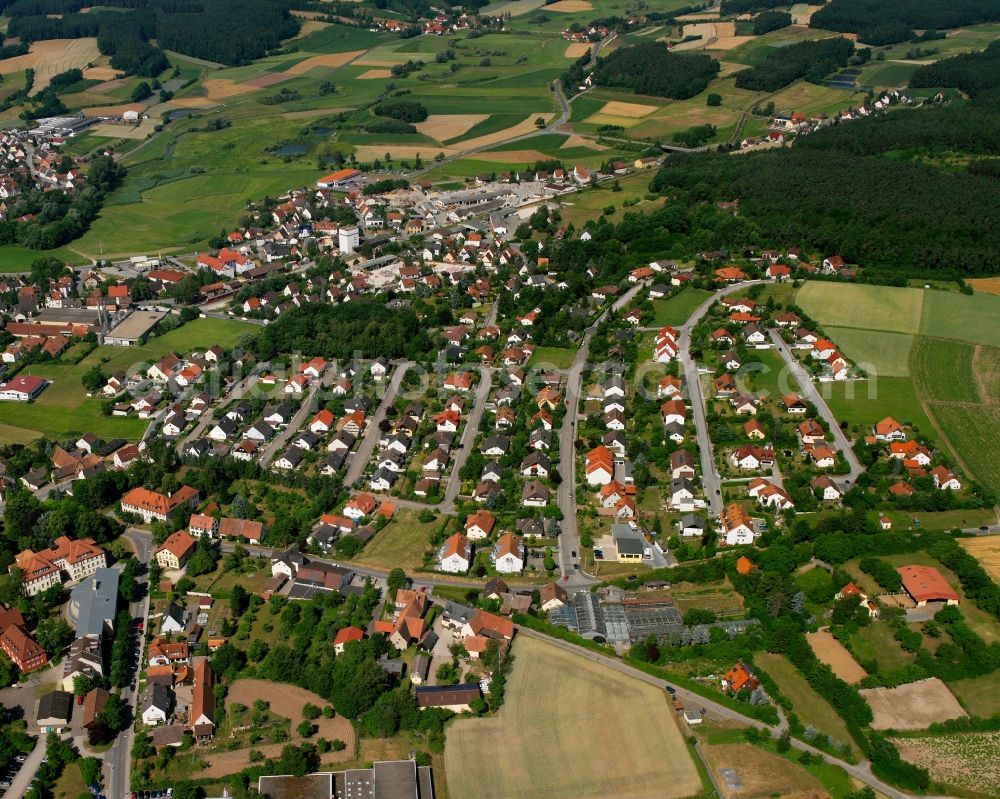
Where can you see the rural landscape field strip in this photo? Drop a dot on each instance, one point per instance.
(578, 747)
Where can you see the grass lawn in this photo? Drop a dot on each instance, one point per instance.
(875, 642)
(675, 310)
(862, 403)
(70, 784)
(811, 708)
(979, 695)
(879, 354)
(559, 357)
(771, 377)
(943, 520)
(597, 759)
(402, 543)
(18, 259)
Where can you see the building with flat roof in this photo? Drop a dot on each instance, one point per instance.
(130, 330)
(925, 584)
(93, 604)
(387, 779)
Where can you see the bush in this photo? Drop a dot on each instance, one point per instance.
(405, 110)
(713, 100)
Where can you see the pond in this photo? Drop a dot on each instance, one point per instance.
(322, 131)
(289, 149)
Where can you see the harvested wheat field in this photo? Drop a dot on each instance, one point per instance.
(726, 38)
(327, 60)
(552, 738)
(914, 706)
(569, 6)
(191, 102)
(221, 88)
(114, 110)
(576, 49)
(51, 57)
(965, 760)
(985, 549)
(760, 774)
(579, 141)
(528, 126)
(515, 156)
(369, 152)
(802, 13)
(101, 73)
(987, 285)
(448, 126)
(372, 74)
(263, 81)
(832, 652)
(617, 108)
(140, 131)
(310, 26)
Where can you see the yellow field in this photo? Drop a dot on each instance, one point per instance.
(481, 142)
(140, 131)
(576, 49)
(567, 730)
(987, 285)
(375, 73)
(514, 156)
(326, 60)
(369, 152)
(448, 126)
(832, 652)
(51, 57)
(726, 38)
(100, 73)
(579, 141)
(761, 774)
(618, 108)
(569, 6)
(986, 550)
(114, 110)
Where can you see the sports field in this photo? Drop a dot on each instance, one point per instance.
(570, 729)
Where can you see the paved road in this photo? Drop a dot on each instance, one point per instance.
(862, 771)
(305, 410)
(237, 393)
(710, 479)
(469, 432)
(808, 388)
(569, 536)
(117, 764)
(372, 433)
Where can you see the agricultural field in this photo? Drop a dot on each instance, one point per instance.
(64, 408)
(948, 314)
(760, 774)
(987, 551)
(879, 354)
(959, 380)
(966, 761)
(979, 695)
(599, 759)
(861, 403)
(913, 706)
(896, 310)
(675, 310)
(719, 597)
(832, 652)
(811, 708)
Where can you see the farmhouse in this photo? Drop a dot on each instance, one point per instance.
(925, 584)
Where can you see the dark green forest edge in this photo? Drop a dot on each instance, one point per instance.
(882, 191)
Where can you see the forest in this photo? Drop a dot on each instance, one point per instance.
(363, 328)
(972, 73)
(890, 216)
(812, 60)
(768, 21)
(649, 68)
(203, 30)
(729, 7)
(889, 21)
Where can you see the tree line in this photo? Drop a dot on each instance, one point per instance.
(812, 60)
(650, 68)
(973, 73)
(889, 21)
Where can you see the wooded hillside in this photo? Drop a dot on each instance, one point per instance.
(649, 68)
